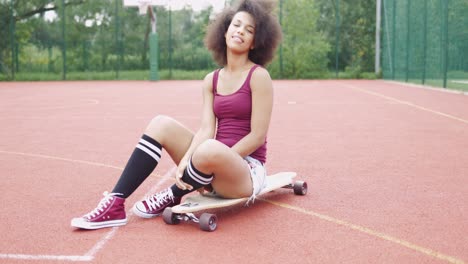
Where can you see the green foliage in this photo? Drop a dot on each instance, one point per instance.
(356, 28)
(103, 36)
(304, 48)
(103, 39)
(111, 75)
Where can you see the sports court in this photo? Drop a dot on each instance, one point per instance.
(386, 165)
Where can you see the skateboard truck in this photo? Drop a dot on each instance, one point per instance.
(207, 222)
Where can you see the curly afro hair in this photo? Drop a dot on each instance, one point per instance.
(267, 31)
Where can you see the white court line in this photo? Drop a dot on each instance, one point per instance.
(406, 103)
(101, 243)
(61, 159)
(88, 103)
(88, 256)
(426, 251)
(45, 257)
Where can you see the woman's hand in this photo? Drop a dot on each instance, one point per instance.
(178, 176)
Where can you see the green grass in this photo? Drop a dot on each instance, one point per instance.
(200, 74)
(145, 75)
(457, 86)
(352, 75)
(111, 75)
(452, 84)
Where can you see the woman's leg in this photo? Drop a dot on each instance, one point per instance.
(216, 164)
(174, 136)
(211, 163)
(162, 132)
(231, 172)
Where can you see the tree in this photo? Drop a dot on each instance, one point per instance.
(304, 46)
(356, 32)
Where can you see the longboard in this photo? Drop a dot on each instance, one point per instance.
(208, 222)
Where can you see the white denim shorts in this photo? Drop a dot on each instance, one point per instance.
(258, 175)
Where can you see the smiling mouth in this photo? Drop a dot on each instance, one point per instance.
(237, 39)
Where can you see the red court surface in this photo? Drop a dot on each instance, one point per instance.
(386, 165)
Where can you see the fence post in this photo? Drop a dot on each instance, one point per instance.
(154, 75)
(117, 39)
(64, 45)
(12, 34)
(377, 36)
(281, 44)
(425, 43)
(49, 53)
(154, 47)
(337, 36)
(170, 43)
(17, 56)
(86, 48)
(393, 39)
(445, 43)
(408, 28)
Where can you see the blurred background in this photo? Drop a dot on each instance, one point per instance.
(417, 41)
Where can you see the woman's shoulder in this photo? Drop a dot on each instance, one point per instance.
(260, 75)
(208, 80)
(209, 77)
(261, 72)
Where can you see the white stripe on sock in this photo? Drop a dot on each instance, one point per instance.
(149, 152)
(151, 146)
(197, 177)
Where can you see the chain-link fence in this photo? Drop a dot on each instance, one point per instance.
(82, 39)
(426, 42)
(90, 40)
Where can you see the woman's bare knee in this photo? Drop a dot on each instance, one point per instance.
(207, 153)
(172, 135)
(159, 126)
(157, 122)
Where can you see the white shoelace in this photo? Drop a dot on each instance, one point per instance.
(159, 198)
(102, 204)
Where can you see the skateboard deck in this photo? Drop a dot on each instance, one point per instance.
(200, 202)
(207, 221)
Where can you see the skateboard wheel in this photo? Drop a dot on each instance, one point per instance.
(300, 188)
(169, 217)
(208, 222)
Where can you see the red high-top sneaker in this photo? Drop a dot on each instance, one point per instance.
(154, 205)
(109, 212)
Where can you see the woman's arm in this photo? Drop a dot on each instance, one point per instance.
(206, 130)
(262, 105)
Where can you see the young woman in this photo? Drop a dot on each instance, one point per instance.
(228, 152)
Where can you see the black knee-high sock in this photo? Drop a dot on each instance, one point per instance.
(142, 162)
(193, 177)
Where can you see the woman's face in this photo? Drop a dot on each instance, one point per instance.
(241, 32)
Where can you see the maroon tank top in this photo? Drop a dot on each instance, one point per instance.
(234, 112)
